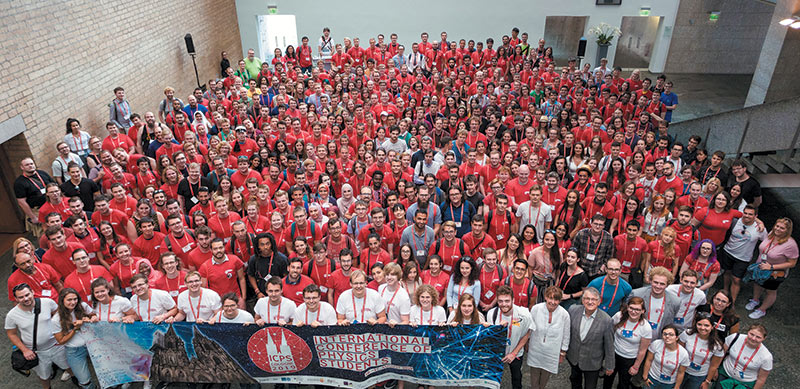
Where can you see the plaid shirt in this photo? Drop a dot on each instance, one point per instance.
(602, 250)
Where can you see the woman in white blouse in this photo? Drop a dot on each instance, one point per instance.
(549, 337)
(425, 313)
(632, 336)
(666, 361)
(705, 349)
(108, 306)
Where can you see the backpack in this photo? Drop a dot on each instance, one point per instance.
(461, 247)
(532, 292)
(293, 229)
(499, 270)
(491, 213)
(168, 244)
(332, 264)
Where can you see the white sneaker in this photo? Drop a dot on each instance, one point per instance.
(65, 376)
(752, 305)
(757, 314)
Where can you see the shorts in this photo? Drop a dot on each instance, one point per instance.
(773, 283)
(729, 263)
(47, 358)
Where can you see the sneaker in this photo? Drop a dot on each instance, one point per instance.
(752, 304)
(65, 376)
(757, 314)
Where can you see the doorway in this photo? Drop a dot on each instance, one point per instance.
(10, 214)
(635, 45)
(563, 33)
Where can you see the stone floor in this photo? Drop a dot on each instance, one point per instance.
(706, 94)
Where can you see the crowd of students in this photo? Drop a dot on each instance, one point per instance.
(491, 189)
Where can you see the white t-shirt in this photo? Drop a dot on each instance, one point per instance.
(360, 309)
(520, 321)
(537, 216)
(119, 305)
(452, 317)
(429, 318)
(689, 302)
(241, 317)
(23, 321)
(654, 315)
(203, 306)
(325, 315)
(699, 354)
(734, 364)
(628, 337)
(668, 371)
(159, 303)
(78, 339)
(275, 313)
(398, 303)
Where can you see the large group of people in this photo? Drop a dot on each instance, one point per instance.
(455, 183)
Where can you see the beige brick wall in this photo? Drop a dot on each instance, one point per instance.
(62, 59)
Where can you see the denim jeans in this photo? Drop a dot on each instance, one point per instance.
(659, 385)
(692, 382)
(78, 361)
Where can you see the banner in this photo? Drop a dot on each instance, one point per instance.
(355, 356)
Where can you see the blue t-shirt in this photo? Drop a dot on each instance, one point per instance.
(612, 295)
(669, 99)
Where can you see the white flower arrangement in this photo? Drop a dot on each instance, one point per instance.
(604, 33)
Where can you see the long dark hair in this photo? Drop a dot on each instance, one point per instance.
(69, 126)
(65, 315)
(576, 213)
(620, 176)
(555, 252)
(105, 243)
(102, 282)
(257, 239)
(473, 274)
(713, 337)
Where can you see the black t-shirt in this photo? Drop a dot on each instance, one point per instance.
(85, 190)
(573, 284)
(750, 188)
(722, 326)
(476, 199)
(189, 192)
(32, 188)
(259, 267)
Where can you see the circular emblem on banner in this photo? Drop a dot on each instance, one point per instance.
(278, 350)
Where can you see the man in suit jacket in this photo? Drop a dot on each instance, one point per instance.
(591, 341)
(661, 306)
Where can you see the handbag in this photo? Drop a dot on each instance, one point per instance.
(756, 274)
(18, 360)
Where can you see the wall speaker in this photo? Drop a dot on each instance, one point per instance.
(190, 44)
(581, 47)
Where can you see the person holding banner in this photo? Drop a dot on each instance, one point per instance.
(197, 304)
(427, 312)
(164, 309)
(105, 300)
(313, 311)
(549, 336)
(230, 312)
(398, 303)
(360, 304)
(274, 309)
(519, 323)
(72, 313)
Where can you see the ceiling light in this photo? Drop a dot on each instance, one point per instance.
(795, 25)
(787, 21)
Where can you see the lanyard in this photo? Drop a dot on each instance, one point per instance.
(708, 350)
(625, 327)
(653, 221)
(610, 303)
(363, 307)
(91, 278)
(596, 249)
(769, 247)
(414, 240)
(149, 300)
(688, 304)
(199, 299)
(461, 289)
(389, 304)
(277, 318)
(564, 285)
(744, 367)
(318, 310)
(228, 232)
(650, 305)
(530, 212)
(40, 180)
(108, 318)
(430, 317)
(177, 284)
(677, 359)
(32, 278)
(453, 215)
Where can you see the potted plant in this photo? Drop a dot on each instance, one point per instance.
(604, 33)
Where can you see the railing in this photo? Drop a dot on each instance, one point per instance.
(761, 128)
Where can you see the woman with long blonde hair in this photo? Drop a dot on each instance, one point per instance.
(656, 217)
(662, 252)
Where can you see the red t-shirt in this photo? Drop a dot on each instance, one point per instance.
(476, 246)
(521, 297)
(337, 284)
(713, 224)
(319, 275)
(449, 254)
(61, 261)
(82, 282)
(554, 199)
(223, 227)
(684, 236)
(630, 253)
(704, 269)
(662, 185)
(150, 248)
(118, 220)
(438, 282)
(368, 258)
(222, 277)
(182, 246)
(172, 286)
(687, 200)
(658, 257)
(517, 192)
(197, 258)
(490, 280)
(42, 282)
(127, 206)
(499, 227)
(124, 273)
(294, 291)
(591, 208)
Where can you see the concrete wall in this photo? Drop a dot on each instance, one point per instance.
(636, 43)
(64, 59)
(467, 19)
(730, 45)
(785, 82)
(764, 127)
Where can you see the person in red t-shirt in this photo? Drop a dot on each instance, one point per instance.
(320, 269)
(491, 276)
(149, 244)
(500, 222)
(477, 240)
(449, 248)
(223, 271)
(630, 247)
(693, 199)
(59, 256)
(295, 281)
(373, 253)
(518, 189)
(685, 233)
(714, 221)
(173, 281)
(84, 274)
(119, 221)
(435, 277)
(124, 268)
(222, 222)
(41, 277)
(669, 179)
(339, 280)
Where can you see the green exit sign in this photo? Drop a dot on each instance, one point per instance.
(644, 12)
(713, 16)
(273, 10)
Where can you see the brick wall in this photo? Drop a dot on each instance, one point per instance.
(63, 59)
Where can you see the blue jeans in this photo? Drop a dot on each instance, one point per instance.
(77, 359)
(659, 385)
(692, 382)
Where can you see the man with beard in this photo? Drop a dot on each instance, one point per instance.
(223, 272)
(204, 205)
(148, 133)
(267, 262)
(518, 321)
(189, 188)
(419, 235)
(295, 282)
(41, 277)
